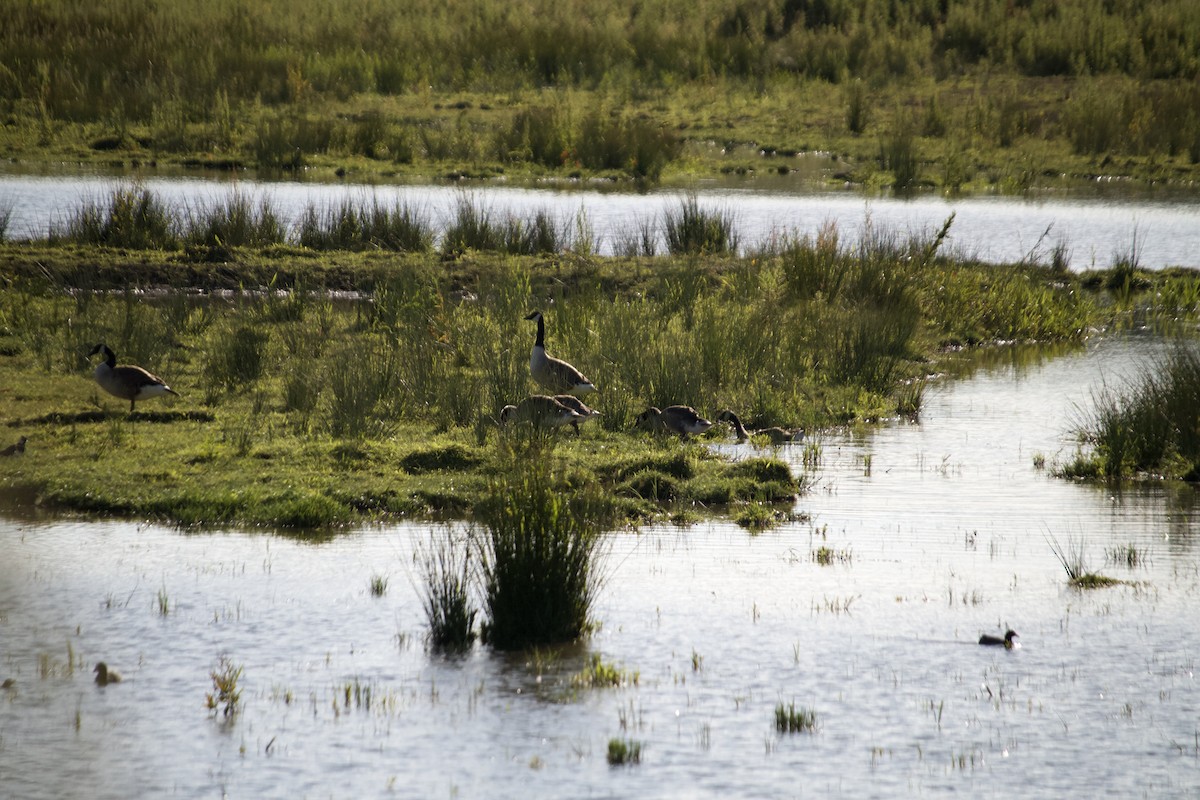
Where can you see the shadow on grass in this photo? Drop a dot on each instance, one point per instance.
(85, 417)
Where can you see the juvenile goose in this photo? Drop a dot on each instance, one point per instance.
(553, 373)
(105, 676)
(541, 412)
(581, 408)
(673, 419)
(1007, 641)
(15, 449)
(775, 434)
(126, 381)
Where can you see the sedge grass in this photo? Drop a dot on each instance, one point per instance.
(540, 555)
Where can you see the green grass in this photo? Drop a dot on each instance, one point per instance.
(1149, 427)
(298, 408)
(608, 89)
(599, 674)
(789, 719)
(540, 554)
(623, 752)
(446, 570)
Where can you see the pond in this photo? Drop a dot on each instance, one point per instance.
(1094, 230)
(935, 533)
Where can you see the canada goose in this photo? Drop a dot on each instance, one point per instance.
(1007, 641)
(674, 419)
(553, 373)
(9, 683)
(15, 449)
(581, 408)
(541, 412)
(776, 435)
(126, 381)
(105, 676)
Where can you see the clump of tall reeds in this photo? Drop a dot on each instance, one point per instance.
(1151, 426)
(789, 719)
(446, 573)
(692, 229)
(1074, 562)
(133, 218)
(357, 226)
(539, 554)
(234, 222)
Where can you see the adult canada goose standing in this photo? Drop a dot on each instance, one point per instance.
(126, 381)
(552, 373)
(674, 419)
(105, 676)
(541, 412)
(581, 408)
(15, 449)
(1007, 641)
(776, 435)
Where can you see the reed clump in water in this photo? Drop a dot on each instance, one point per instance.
(1150, 427)
(540, 551)
(446, 570)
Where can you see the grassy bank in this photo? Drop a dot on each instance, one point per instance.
(304, 407)
(961, 96)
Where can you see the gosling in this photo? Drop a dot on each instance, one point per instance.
(581, 408)
(126, 381)
(540, 411)
(15, 449)
(775, 434)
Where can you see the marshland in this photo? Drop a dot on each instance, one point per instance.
(952, 249)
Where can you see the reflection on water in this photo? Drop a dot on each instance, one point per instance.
(939, 531)
(1093, 230)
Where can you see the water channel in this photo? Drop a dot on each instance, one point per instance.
(1095, 228)
(939, 531)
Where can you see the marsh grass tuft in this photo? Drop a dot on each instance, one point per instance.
(789, 719)
(690, 229)
(446, 573)
(226, 694)
(1074, 563)
(378, 585)
(599, 674)
(624, 751)
(539, 555)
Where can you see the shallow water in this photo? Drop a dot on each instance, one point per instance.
(944, 537)
(1094, 230)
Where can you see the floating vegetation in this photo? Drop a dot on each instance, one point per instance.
(1074, 563)
(624, 751)
(600, 674)
(226, 695)
(789, 719)
(825, 556)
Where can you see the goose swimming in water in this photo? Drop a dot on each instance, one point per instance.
(674, 419)
(775, 434)
(127, 381)
(552, 373)
(1006, 642)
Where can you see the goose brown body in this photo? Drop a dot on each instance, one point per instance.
(673, 419)
(126, 381)
(539, 411)
(554, 374)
